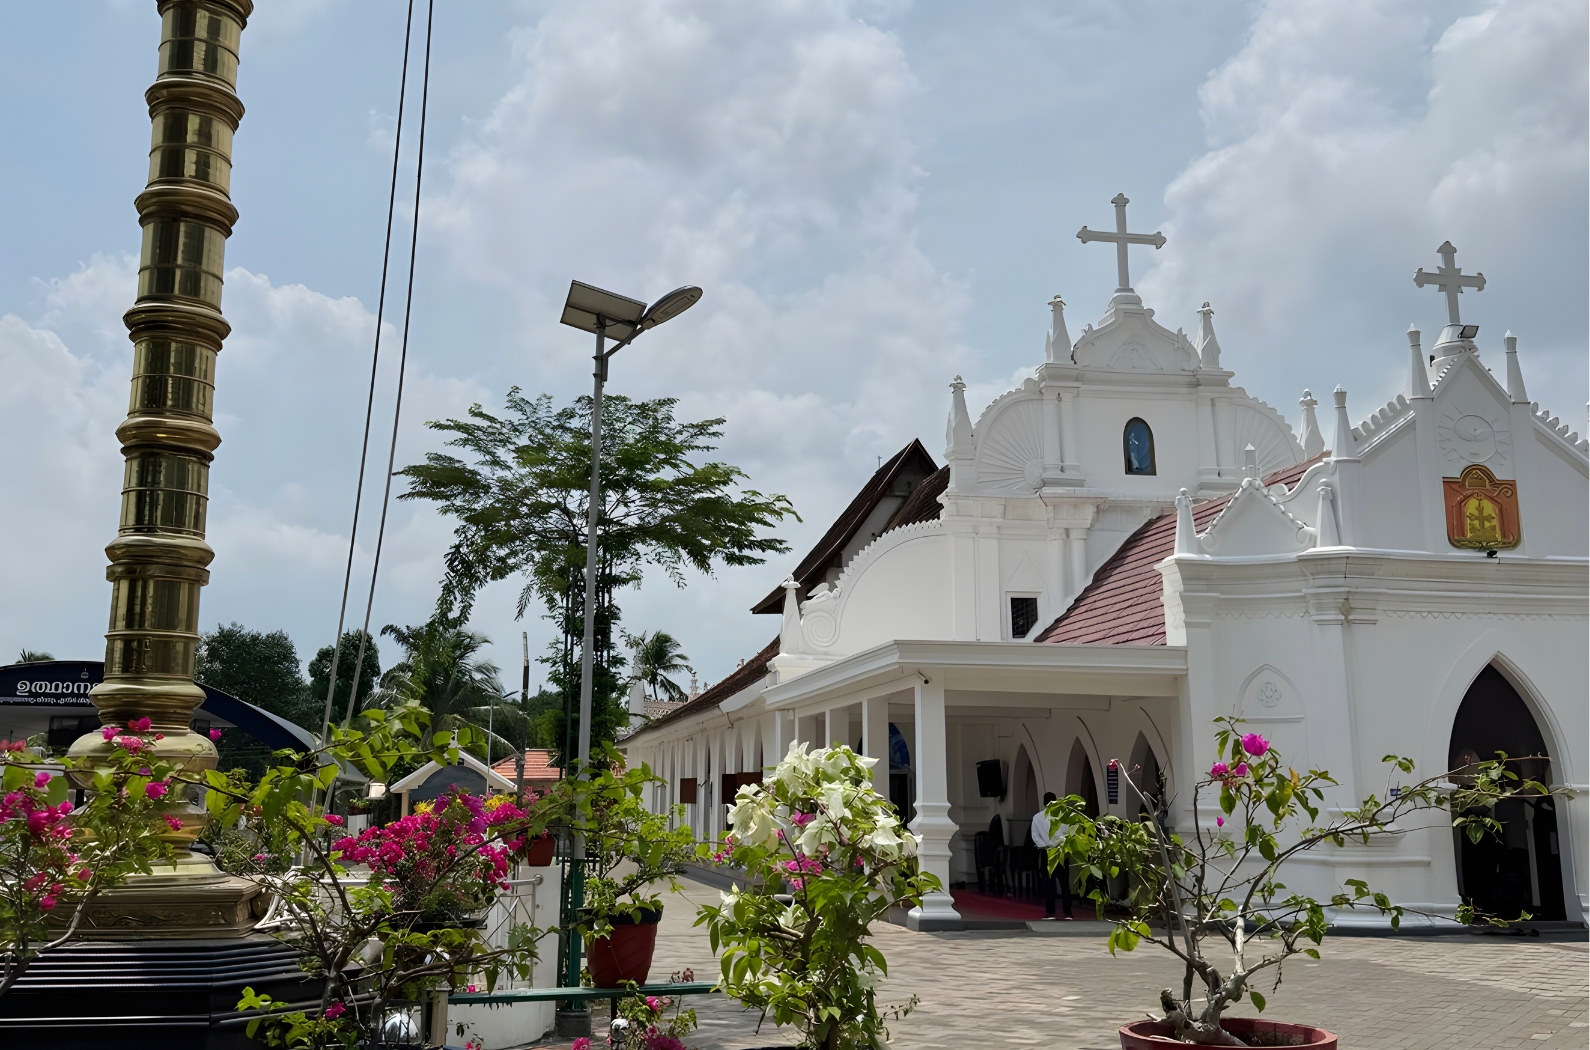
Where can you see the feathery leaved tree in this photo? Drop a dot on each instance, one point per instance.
(520, 491)
(655, 656)
(443, 672)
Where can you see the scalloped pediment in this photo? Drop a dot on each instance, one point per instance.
(1254, 524)
(1130, 340)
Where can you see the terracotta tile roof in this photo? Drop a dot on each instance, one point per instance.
(744, 675)
(909, 461)
(1124, 602)
(537, 766)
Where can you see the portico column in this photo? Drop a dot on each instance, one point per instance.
(875, 740)
(933, 823)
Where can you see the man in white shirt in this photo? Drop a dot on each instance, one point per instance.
(1043, 838)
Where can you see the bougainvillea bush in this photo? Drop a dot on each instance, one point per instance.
(1215, 898)
(55, 859)
(645, 1022)
(388, 914)
(816, 829)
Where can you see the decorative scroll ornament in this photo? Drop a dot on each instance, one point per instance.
(1481, 511)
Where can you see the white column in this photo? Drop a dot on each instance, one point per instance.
(933, 823)
(1067, 400)
(875, 740)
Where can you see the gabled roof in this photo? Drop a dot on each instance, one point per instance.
(1124, 602)
(910, 463)
(537, 766)
(923, 504)
(744, 675)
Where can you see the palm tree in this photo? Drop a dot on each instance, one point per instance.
(656, 656)
(442, 672)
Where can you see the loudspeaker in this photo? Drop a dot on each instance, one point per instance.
(991, 778)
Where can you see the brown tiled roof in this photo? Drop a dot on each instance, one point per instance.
(744, 675)
(1124, 602)
(923, 504)
(537, 766)
(810, 572)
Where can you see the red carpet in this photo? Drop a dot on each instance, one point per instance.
(974, 905)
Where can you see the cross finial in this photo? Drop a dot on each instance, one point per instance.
(1120, 238)
(1450, 280)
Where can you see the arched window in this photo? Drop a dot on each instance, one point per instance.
(1138, 443)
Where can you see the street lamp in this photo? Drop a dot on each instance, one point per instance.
(605, 313)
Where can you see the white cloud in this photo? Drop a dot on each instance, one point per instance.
(290, 397)
(759, 151)
(1347, 140)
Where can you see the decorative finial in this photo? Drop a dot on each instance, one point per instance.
(1057, 344)
(1250, 462)
(1313, 441)
(1328, 535)
(1206, 344)
(1343, 444)
(1515, 375)
(1418, 372)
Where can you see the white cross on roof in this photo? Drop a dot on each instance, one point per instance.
(1121, 239)
(1450, 280)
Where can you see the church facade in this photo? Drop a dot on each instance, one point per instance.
(1128, 546)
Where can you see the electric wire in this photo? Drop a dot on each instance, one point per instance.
(369, 404)
(403, 355)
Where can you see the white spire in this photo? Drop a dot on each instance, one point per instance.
(959, 449)
(1313, 440)
(1250, 462)
(1342, 445)
(1329, 535)
(1206, 344)
(1418, 374)
(1057, 344)
(789, 632)
(1515, 375)
(1186, 532)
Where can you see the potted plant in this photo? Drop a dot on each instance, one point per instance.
(1219, 890)
(816, 829)
(629, 853)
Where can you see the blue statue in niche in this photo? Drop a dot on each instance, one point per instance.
(1139, 442)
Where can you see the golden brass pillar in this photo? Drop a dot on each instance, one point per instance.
(159, 559)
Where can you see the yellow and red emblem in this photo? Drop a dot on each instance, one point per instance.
(1481, 511)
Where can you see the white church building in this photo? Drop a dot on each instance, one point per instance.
(1128, 546)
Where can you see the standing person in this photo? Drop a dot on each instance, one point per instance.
(1043, 838)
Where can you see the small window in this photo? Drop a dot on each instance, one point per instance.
(1138, 442)
(1023, 616)
(687, 790)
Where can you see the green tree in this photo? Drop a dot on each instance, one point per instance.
(521, 498)
(30, 656)
(653, 658)
(259, 668)
(320, 676)
(442, 672)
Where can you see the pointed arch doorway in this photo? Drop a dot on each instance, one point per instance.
(1519, 870)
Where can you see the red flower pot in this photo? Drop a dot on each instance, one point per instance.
(539, 854)
(1255, 1031)
(625, 953)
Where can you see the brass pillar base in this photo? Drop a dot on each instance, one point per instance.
(191, 898)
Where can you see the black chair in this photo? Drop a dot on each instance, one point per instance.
(986, 856)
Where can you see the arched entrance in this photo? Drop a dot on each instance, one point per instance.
(1080, 780)
(1146, 773)
(1519, 870)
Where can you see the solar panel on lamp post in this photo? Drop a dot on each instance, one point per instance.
(604, 313)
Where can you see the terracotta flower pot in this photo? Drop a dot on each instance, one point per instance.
(625, 953)
(1255, 1031)
(539, 855)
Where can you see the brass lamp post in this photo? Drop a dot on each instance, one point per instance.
(159, 559)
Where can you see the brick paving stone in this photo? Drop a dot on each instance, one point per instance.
(1022, 989)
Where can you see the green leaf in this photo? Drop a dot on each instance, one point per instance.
(1258, 1000)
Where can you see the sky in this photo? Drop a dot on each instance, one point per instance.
(877, 196)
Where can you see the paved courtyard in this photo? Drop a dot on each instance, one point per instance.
(1063, 990)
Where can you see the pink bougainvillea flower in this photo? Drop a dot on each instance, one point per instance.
(801, 819)
(41, 779)
(139, 725)
(1220, 822)
(108, 732)
(1218, 770)
(47, 903)
(1241, 770)
(333, 819)
(215, 734)
(157, 789)
(582, 1043)
(334, 1011)
(1255, 745)
(472, 988)
(653, 1003)
(83, 875)
(173, 822)
(259, 858)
